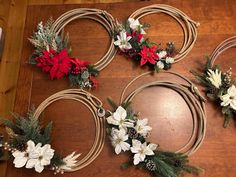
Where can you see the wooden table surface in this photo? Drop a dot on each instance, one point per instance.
(167, 112)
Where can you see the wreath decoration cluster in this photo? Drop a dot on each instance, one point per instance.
(220, 85)
(129, 38)
(128, 132)
(53, 51)
(52, 55)
(29, 142)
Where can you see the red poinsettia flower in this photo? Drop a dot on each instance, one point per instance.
(78, 65)
(93, 81)
(135, 35)
(148, 55)
(57, 64)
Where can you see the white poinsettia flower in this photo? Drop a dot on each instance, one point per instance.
(214, 77)
(40, 157)
(142, 128)
(160, 65)
(229, 98)
(135, 25)
(123, 41)
(118, 140)
(70, 161)
(141, 150)
(22, 157)
(170, 60)
(119, 118)
(162, 54)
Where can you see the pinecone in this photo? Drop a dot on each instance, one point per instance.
(178, 163)
(1, 153)
(167, 66)
(132, 133)
(1, 139)
(227, 78)
(150, 165)
(21, 146)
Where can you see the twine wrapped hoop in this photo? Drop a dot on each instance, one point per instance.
(188, 25)
(95, 107)
(223, 46)
(192, 97)
(97, 15)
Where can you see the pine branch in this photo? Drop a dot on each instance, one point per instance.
(112, 104)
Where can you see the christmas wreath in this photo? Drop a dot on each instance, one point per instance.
(129, 132)
(220, 85)
(53, 51)
(129, 38)
(29, 145)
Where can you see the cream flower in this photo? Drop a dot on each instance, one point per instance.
(70, 161)
(169, 60)
(22, 157)
(160, 65)
(214, 77)
(135, 25)
(40, 157)
(118, 140)
(141, 151)
(142, 128)
(119, 118)
(229, 98)
(162, 54)
(123, 41)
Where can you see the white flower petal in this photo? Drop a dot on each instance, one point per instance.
(20, 161)
(31, 163)
(111, 120)
(152, 146)
(162, 54)
(169, 60)
(160, 64)
(18, 154)
(121, 112)
(125, 146)
(38, 168)
(118, 149)
(148, 151)
(136, 159)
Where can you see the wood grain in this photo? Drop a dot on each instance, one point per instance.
(168, 114)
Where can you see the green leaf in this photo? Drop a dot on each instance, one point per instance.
(112, 103)
(85, 75)
(47, 134)
(125, 165)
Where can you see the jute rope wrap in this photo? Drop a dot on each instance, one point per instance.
(97, 15)
(95, 107)
(188, 25)
(194, 100)
(226, 44)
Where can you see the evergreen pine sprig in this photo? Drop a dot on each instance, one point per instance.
(160, 163)
(23, 129)
(27, 128)
(218, 86)
(129, 38)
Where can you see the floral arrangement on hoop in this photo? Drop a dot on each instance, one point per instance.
(129, 133)
(219, 88)
(129, 38)
(29, 146)
(52, 54)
